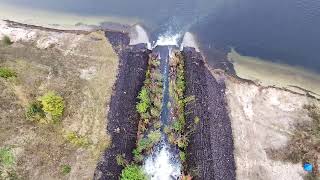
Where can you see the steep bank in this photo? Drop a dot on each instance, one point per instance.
(122, 118)
(210, 152)
(263, 120)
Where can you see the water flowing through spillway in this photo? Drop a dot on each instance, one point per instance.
(164, 162)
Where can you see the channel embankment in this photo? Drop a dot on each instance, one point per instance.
(123, 118)
(210, 150)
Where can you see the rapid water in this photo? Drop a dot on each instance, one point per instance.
(164, 162)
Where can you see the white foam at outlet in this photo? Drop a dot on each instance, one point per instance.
(161, 166)
(168, 40)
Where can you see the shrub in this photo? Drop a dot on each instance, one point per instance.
(6, 40)
(6, 157)
(144, 102)
(76, 139)
(65, 169)
(7, 73)
(35, 112)
(53, 104)
(133, 172)
(182, 156)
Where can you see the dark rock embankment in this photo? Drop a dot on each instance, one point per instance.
(122, 117)
(210, 151)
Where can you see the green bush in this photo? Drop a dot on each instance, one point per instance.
(7, 73)
(182, 156)
(6, 157)
(53, 104)
(76, 139)
(133, 172)
(6, 40)
(65, 169)
(35, 112)
(144, 102)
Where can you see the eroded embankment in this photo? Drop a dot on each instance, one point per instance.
(123, 118)
(210, 150)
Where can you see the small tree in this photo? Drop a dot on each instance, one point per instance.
(6, 40)
(53, 104)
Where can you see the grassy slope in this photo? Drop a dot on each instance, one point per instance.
(41, 150)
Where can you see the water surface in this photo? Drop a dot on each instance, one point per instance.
(285, 31)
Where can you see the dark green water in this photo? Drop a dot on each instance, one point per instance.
(285, 31)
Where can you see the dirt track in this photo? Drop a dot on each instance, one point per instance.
(123, 118)
(210, 151)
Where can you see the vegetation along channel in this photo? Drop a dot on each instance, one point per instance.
(158, 117)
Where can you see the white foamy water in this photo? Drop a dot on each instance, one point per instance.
(162, 165)
(168, 40)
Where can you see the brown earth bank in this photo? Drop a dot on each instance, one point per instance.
(210, 151)
(123, 118)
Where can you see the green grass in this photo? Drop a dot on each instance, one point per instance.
(7, 73)
(133, 172)
(7, 158)
(65, 169)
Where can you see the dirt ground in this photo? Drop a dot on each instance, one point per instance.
(263, 119)
(82, 69)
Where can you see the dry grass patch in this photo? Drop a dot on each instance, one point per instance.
(42, 149)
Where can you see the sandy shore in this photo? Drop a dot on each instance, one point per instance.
(267, 73)
(60, 20)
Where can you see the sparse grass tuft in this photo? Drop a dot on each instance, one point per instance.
(77, 139)
(121, 161)
(7, 158)
(133, 172)
(65, 169)
(7, 73)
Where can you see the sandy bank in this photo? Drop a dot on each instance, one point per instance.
(52, 19)
(263, 119)
(272, 74)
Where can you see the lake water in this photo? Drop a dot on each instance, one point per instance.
(285, 31)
